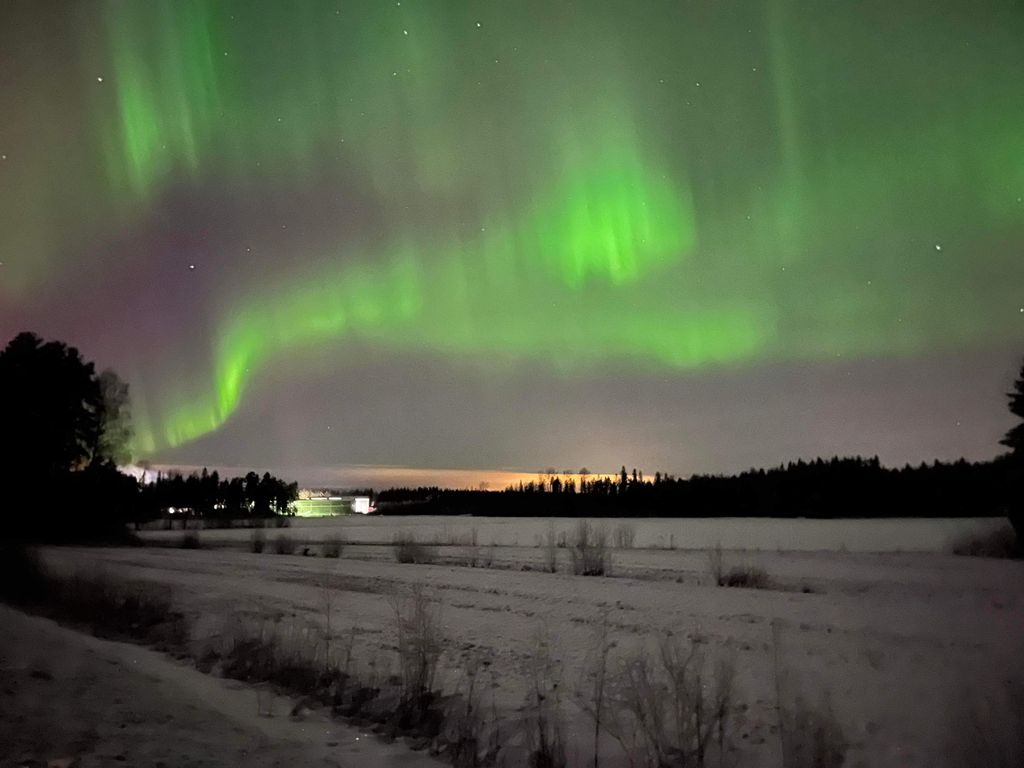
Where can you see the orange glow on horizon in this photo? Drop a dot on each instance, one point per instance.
(381, 477)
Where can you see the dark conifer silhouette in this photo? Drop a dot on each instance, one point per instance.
(63, 431)
(1014, 439)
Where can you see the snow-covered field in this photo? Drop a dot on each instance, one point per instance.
(907, 646)
(887, 535)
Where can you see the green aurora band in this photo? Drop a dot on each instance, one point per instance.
(666, 185)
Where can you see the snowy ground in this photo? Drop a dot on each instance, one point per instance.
(887, 535)
(906, 646)
(72, 699)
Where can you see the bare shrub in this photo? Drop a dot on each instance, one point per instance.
(474, 552)
(625, 536)
(716, 564)
(1000, 543)
(591, 693)
(408, 550)
(284, 545)
(333, 546)
(589, 551)
(258, 540)
(543, 708)
(551, 550)
(420, 642)
(813, 737)
(108, 608)
(464, 720)
(672, 708)
(190, 540)
(136, 611)
(289, 656)
(746, 576)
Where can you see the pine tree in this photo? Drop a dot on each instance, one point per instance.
(1014, 439)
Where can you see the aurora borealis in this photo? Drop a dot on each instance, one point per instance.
(693, 234)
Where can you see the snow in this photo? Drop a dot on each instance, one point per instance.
(791, 534)
(901, 643)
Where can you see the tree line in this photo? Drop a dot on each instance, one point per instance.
(838, 487)
(854, 487)
(205, 495)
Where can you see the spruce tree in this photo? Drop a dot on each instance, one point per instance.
(1014, 439)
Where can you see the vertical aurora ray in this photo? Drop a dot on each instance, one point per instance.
(168, 89)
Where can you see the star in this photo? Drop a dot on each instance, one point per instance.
(99, 79)
(938, 247)
(192, 267)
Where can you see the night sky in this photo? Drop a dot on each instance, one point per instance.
(687, 236)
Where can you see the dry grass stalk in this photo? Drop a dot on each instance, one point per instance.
(551, 550)
(814, 738)
(591, 694)
(716, 564)
(669, 709)
(543, 707)
(625, 536)
(258, 540)
(420, 642)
